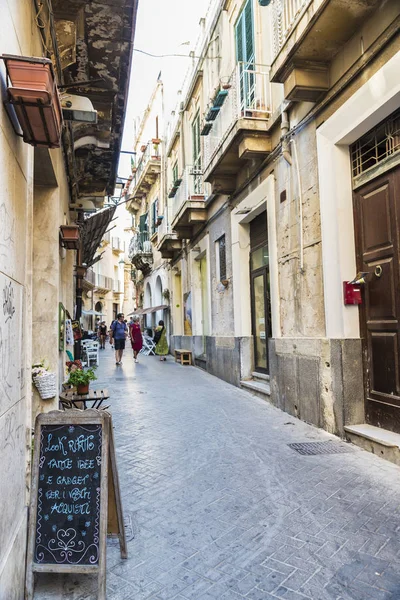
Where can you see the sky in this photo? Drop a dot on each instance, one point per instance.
(162, 27)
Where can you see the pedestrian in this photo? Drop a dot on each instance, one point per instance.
(119, 332)
(103, 334)
(136, 337)
(160, 338)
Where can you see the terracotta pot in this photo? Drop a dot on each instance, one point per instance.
(82, 389)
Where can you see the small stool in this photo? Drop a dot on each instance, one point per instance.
(184, 356)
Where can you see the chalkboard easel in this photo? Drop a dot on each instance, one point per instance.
(75, 499)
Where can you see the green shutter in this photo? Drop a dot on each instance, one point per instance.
(196, 142)
(245, 35)
(143, 223)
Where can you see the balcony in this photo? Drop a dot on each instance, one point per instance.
(307, 34)
(140, 252)
(188, 210)
(89, 280)
(169, 244)
(236, 126)
(103, 284)
(118, 287)
(146, 174)
(117, 245)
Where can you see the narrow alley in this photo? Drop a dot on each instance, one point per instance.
(218, 504)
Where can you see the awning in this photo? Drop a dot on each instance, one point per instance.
(92, 313)
(93, 230)
(147, 311)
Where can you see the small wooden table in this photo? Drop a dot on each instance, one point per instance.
(184, 356)
(94, 399)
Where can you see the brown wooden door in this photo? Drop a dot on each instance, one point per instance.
(377, 218)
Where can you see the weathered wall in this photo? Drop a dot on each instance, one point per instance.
(16, 165)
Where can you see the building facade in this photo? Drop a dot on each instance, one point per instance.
(52, 172)
(281, 184)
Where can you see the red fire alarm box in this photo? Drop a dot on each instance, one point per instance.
(351, 293)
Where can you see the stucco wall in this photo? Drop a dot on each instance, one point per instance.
(16, 164)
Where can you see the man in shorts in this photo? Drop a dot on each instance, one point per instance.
(119, 332)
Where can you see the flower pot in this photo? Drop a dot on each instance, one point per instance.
(70, 236)
(82, 388)
(143, 148)
(156, 141)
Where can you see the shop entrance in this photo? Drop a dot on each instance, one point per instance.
(260, 292)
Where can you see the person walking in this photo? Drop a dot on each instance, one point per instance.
(136, 337)
(103, 334)
(119, 332)
(160, 338)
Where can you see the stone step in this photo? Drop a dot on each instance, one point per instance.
(262, 390)
(260, 376)
(381, 442)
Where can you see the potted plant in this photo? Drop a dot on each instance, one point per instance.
(80, 378)
(159, 220)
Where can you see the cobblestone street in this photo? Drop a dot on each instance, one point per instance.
(219, 506)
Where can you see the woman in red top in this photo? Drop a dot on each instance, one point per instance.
(136, 337)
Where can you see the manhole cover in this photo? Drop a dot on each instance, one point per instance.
(313, 448)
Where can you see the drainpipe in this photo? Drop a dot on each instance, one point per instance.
(285, 142)
(301, 242)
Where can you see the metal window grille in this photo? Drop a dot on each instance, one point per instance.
(376, 145)
(222, 258)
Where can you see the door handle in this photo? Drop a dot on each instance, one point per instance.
(378, 271)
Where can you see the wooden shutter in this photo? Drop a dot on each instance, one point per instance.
(245, 35)
(196, 142)
(143, 223)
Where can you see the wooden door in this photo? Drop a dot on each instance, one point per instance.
(377, 215)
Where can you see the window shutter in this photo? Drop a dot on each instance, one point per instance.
(245, 35)
(143, 223)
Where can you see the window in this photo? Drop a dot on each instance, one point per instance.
(245, 36)
(245, 54)
(221, 258)
(175, 172)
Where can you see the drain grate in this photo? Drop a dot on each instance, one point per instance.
(313, 448)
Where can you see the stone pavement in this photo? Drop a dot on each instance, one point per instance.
(218, 506)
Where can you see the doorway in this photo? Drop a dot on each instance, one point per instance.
(377, 213)
(204, 300)
(260, 292)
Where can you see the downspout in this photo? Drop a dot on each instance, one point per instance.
(301, 242)
(285, 142)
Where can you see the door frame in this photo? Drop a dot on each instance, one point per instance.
(253, 274)
(372, 403)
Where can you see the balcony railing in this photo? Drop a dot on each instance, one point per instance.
(118, 287)
(192, 186)
(140, 244)
(151, 152)
(118, 245)
(249, 97)
(90, 276)
(104, 283)
(140, 252)
(284, 15)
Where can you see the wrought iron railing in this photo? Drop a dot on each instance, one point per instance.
(249, 96)
(285, 13)
(151, 152)
(192, 185)
(139, 244)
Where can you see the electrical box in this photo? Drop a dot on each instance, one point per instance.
(351, 293)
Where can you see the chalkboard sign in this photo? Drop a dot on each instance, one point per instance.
(68, 510)
(73, 478)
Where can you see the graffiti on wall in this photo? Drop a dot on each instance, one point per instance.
(10, 342)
